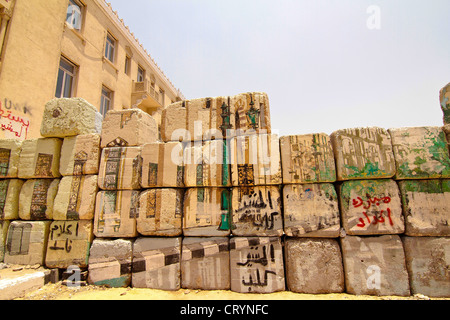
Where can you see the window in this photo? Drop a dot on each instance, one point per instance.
(66, 77)
(162, 95)
(141, 74)
(127, 65)
(110, 47)
(106, 101)
(74, 14)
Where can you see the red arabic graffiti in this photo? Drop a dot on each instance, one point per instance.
(379, 216)
(14, 124)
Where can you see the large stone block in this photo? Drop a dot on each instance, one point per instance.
(311, 210)
(314, 266)
(363, 153)
(27, 242)
(420, 153)
(307, 159)
(256, 265)
(70, 117)
(120, 169)
(156, 263)
(36, 199)
(255, 160)
(371, 207)
(9, 198)
(110, 262)
(162, 165)
(257, 211)
(9, 157)
(426, 205)
(207, 212)
(115, 214)
(174, 123)
(80, 155)
(128, 128)
(40, 158)
(75, 199)
(444, 98)
(375, 266)
(160, 212)
(4, 225)
(428, 264)
(69, 243)
(205, 264)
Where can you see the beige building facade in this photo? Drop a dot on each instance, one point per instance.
(72, 48)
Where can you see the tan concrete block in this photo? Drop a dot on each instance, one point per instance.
(115, 214)
(420, 153)
(257, 211)
(9, 157)
(255, 160)
(156, 263)
(174, 123)
(252, 112)
(4, 225)
(426, 205)
(256, 265)
(110, 262)
(207, 212)
(198, 117)
(120, 169)
(128, 128)
(314, 266)
(36, 199)
(160, 212)
(375, 266)
(307, 159)
(40, 158)
(446, 129)
(428, 262)
(70, 117)
(363, 153)
(162, 165)
(9, 198)
(27, 242)
(69, 243)
(75, 199)
(444, 98)
(80, 155)
(205, 264)
(207, 164)
(311, 210)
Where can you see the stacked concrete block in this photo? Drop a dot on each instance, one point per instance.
(205, 263)
(10, 150)
(9, 198)
(157, 263)
(39, 158)
(4, 225)
(80, 155)
(37, 198)
(444, 98)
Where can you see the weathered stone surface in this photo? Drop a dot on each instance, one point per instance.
(36, 199)
(70, 117)
(255, 160)
(69, 243)
(162, 165)
(207, 164)
(446, 129)
(444, 98)
(314, 266)
(120, 169)
(80, 155)
(256, 265)
(9, 198)
(426, 205)
(205, 264)
(363, 153)
(40, 158)
(9, 157)
(428, 262)
(115, 214)
(27, 242)
(75, 199)
(257, 211)
(375, 266)
(420, 153)
(173, 123)
(207, 212)
(160, 212)
(371, 207)
(128, 128)
(252, 113)
(4, 225)
(156, 263)
(311, 210)
(110, 262)
(307, 159)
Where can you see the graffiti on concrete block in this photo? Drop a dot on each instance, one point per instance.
(12, 125)
(379, 216)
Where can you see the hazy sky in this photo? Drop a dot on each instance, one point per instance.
(318, 61)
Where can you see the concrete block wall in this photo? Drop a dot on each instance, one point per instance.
(362, 211)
